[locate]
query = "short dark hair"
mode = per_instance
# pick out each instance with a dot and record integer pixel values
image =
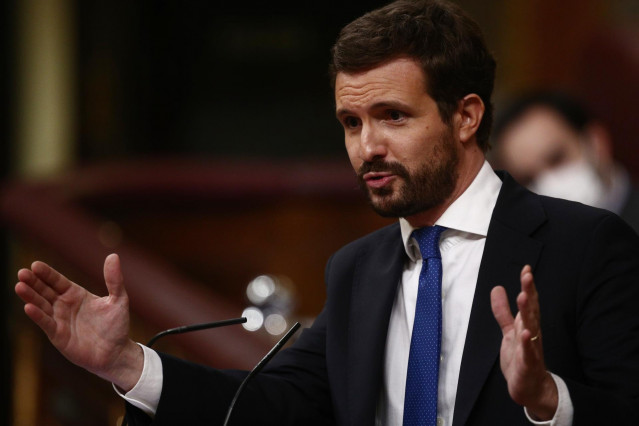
(569, 107)
(440, 36)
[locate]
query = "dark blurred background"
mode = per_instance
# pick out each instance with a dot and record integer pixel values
(198, 140)
(205, 79)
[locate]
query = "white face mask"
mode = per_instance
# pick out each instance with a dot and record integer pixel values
(575, 181)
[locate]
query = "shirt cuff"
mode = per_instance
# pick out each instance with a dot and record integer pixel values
(146, 393)
(565, 409)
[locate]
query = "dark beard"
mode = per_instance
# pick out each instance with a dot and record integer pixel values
(428, 187)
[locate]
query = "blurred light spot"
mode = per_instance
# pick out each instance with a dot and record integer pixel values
(275, 324)
(260, 289)
(110, 234)
(254, 318)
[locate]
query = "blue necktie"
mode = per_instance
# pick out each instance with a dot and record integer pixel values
(420, 402)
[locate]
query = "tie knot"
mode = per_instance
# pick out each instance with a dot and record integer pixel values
(428, 240)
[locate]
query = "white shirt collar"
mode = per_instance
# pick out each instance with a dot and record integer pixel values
(470, 212)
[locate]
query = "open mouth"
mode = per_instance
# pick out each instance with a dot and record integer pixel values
(378, 179)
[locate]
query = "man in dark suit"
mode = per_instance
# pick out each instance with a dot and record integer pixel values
(412, 82)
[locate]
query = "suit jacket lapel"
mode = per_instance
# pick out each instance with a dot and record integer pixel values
(508, 248)
(376, 277)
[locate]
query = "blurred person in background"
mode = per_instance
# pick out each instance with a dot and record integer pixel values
(551, 143)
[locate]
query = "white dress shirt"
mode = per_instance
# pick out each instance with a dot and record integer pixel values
(461, 246)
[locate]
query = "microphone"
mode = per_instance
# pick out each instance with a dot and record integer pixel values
(196, 327)
(258, 367)
(188, 328)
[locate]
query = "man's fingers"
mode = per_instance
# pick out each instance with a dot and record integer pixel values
(530, 352)
(51, 277)
(44, 321)
(528, 302)
(528, 282)
(527, 269)
(500, 307)
(27, 277)
(113, 276)
(29, 295)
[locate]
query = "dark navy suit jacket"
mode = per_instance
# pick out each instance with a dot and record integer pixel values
(586, 267)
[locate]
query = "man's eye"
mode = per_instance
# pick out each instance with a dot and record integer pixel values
(395, 115)
(351, 122)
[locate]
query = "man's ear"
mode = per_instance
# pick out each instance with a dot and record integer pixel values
(470, 112)
(600, 142)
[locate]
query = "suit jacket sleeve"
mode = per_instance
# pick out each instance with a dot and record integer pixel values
(607, 328)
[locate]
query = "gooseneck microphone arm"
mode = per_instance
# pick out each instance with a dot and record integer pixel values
(195, 327)
(259, 367)
(186, 329)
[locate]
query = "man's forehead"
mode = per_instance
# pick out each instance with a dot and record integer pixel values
(402, 75)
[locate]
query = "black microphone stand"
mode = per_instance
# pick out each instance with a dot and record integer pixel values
(259, 367)
(186, 329)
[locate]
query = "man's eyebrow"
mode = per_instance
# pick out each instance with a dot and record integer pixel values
(379, 105)
(390, 104)
(342, 112)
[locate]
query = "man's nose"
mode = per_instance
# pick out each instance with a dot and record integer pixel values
(372, 145)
